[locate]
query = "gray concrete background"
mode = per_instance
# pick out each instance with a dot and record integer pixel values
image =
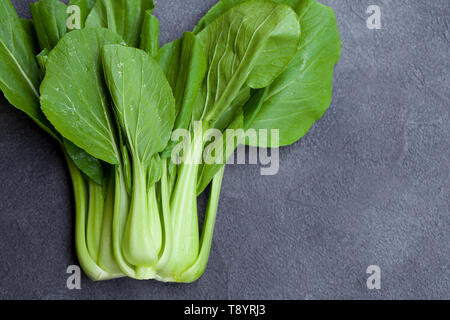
(369, 184)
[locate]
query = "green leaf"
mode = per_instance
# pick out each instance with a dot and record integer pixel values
(124, 17)
(216, 11)
(42, 58)
(19, 72)
(49, 18)
(224, 148)
(232, 119)
(74, 96)
(234, 110)
(240, 51)
(85, 8)
(89, 165)
(223, 6)
(184, 64)
(150, 34)
(302, 93)
(142, 97)
(145, 109)
(28, 26)
(154, 170)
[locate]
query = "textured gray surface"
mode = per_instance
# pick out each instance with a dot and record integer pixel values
(369, 184)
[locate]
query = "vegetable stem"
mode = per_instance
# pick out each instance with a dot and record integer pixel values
(106, 253)
(94, 218)
(121, 208)
(89, 266)
(184, 210)
(140, 244)
(196, 270)
(166, 224)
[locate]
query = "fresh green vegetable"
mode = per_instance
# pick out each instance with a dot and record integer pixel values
(115, 101)
(19, 72)
(302, 93)
(145, 109)
(238, 56)
(82, 104)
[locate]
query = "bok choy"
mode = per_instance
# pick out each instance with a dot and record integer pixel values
(115, 101)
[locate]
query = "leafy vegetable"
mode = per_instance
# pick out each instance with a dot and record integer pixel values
(144, 106)
(91, 166)
(184, 64)
(243, 53)
(302, 93)
(79, 109)
(255, 61)
(19, 72)
(50, 19)
(238, 52)
(116, 103)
